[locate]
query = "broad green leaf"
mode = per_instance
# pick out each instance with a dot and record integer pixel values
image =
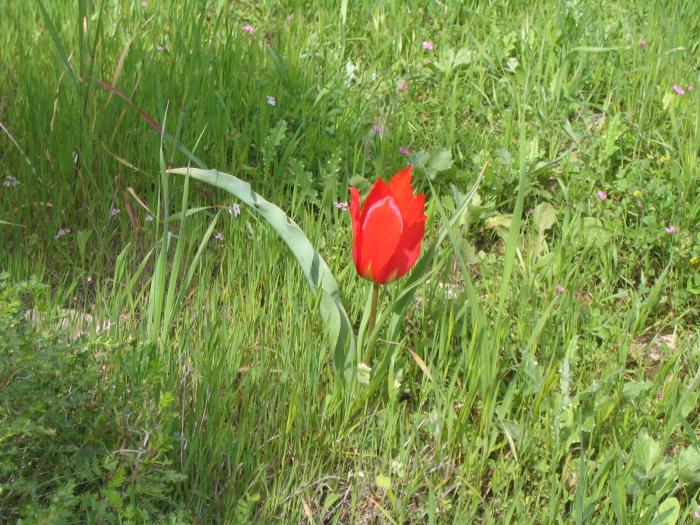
(633, 390)
(668, 512)
(646, 451)
(689, 465)
(440, 161)
(545, 216)
(319, 276)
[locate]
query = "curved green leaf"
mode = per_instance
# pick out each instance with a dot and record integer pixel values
(319, 276)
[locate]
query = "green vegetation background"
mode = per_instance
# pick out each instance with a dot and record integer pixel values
(546, 373)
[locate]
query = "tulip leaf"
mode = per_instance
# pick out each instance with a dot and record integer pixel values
(319, 276)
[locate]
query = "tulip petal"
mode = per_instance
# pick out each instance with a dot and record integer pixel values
(356, 226)
(382, 229)
(378, 191)
(400, 186)
(408, 250)
(409, 246)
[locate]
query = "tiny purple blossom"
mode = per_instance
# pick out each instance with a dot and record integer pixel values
(643, 42)
(235, 210)
(679, 90)
(62, 232)
(427, 45)
(377, 129)
(248, 28)
(341, 205)
(271, 101)
(404, 150)
(671, 229)
(602, 195)
(559, 289)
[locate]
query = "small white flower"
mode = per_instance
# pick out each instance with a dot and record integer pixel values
(219, 236)
(62, 232)
(341, 205)
(114, 211)
(10, 182)
(272, 101)
(150, 218)
(235, 210)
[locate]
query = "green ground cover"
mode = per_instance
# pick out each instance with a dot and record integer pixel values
(161, 366)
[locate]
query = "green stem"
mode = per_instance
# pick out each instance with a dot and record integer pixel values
(372, 322)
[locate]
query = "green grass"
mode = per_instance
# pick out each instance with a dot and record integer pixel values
(494, 398)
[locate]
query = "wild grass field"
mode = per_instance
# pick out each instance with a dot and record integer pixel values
(163, 358)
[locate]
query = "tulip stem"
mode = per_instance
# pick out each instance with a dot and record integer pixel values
(372, 320)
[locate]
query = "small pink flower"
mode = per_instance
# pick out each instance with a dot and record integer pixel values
(679, 90)
(559, 289)
(671, 229)
(428, 45)
(404, 151)
(602, 195)
(341, 205)
(290, 18)
(402, 85)
(643, 42)
(248, 28)
(376, 128)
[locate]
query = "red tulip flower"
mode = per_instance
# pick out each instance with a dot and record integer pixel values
(387, 228)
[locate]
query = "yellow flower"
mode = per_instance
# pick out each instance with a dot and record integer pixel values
(637, 194)
(695, 260)
(664, 158)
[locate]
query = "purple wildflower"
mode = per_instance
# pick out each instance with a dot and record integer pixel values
(427, 45)
(602, 195)
(671, 229)
(404, 150)
(679, 90)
